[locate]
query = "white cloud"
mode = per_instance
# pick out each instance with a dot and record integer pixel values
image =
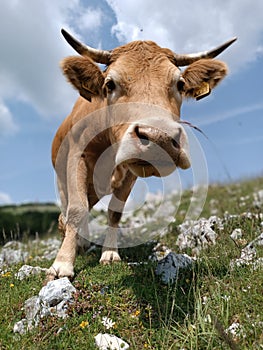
(89, 19)
(31, 48)
(7, 124)
(190, 26)
(32, 45)
(244, 141)
(5, 198)
(232, 113)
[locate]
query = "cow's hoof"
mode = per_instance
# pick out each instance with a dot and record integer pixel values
(59, 270)
(109, 256)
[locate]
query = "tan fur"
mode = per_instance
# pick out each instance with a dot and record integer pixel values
(84, 75)
(144, 73)
(211, 71)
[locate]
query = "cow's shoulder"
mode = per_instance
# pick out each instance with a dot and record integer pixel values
(82, 109)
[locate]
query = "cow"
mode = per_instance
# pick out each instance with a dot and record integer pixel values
(127, 120)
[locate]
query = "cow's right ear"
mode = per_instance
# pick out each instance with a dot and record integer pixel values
(84, 75)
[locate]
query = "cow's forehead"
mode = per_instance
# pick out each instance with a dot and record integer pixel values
(143, 57)
(143, 50)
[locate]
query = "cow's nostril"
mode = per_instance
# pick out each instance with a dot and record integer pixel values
(142, 136)
(175, 143)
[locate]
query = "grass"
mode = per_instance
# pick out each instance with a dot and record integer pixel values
(192, 314)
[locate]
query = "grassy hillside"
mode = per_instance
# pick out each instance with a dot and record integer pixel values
(194, 313)
(23, 221)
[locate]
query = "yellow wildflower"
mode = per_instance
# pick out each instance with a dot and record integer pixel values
(12, 285)
(136, 313)
(6, 274)
(84, 324)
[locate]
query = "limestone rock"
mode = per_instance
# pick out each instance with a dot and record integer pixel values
(248, 254)
(53, 299)
(110, 342)
(169, 267)
(27, 270)
(13, 253)
(56, 291)
(236, 234)
(198, 234)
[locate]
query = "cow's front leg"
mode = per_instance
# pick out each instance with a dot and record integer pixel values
(63, 266)
(73, 223)
(116, 205)
(73, 227)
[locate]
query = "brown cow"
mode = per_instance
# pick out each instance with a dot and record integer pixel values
(124, 125)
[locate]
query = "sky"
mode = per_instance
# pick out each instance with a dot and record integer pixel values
(35, 98)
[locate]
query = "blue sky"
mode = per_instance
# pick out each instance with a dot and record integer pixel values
(34, 96)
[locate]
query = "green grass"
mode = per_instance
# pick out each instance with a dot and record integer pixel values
(192, 314)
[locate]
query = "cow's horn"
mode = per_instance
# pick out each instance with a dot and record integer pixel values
(184, 60)
(99, 56)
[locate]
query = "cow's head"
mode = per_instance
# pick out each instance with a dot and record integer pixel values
(145, 82)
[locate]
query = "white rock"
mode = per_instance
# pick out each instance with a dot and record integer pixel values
(258, 198)
(13, 253)
(236, 330)
(56, 291)
(21, 326)
(32, 308)
(110, 342)
(14, 245)
(53, 299)
(248, 254)
(48, 248)
(258, 241)
(169, 267)
(27, 270)
(236, 234)
(198, 234)
(61, 309)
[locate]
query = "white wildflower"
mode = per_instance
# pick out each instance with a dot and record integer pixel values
(204, 300)
(107, 322)
(226, 297)
(236, 330)
(208, 319)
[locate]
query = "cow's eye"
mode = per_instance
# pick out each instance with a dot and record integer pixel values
(110, 85)
(180, 84)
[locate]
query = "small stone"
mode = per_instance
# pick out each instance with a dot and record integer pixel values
(21, 326)
(27, 270)
(248, 254)
(236, 234)
(236, 330)
(110, 342)
(258, 199)
(169, 267)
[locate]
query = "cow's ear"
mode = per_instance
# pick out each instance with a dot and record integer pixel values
(202, 76)
(84, 75)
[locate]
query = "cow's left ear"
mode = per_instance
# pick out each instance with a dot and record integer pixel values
(202, 76)
(84, 75)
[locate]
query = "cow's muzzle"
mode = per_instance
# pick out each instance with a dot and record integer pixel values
(151, 149)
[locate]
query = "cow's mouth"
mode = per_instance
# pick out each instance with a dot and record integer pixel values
(145, 168)
(158, 167)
